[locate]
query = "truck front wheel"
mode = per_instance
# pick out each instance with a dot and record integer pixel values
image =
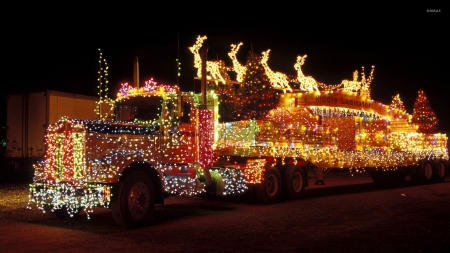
(134, 201)
(269, 191)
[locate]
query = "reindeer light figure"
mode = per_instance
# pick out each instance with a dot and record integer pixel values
(277, 79)
(365, 83)
(214, 69)
(362, 86)
(237, 67)
(306, 82)
(353, 85)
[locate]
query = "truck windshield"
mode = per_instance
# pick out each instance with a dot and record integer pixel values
(139, 108)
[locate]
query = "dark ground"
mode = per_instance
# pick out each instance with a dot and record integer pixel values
(348, 214)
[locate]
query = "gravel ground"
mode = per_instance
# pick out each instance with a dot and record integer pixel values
(14, 194)
(348, 214)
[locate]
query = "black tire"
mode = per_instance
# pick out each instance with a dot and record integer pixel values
(269, 190)
(134, 201)
(293, 182)
(62, 213)
(439, 172)
(425, 172)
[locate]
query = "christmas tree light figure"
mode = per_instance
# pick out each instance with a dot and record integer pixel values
(252, 99)
(257, 97)
(423, 114)
(397, 107)
(104, 104)
(228, 102)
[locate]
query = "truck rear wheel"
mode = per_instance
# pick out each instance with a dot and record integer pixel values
(425, 172)
(134, 203)
(439, 172)
(293, 183)
(269, 190)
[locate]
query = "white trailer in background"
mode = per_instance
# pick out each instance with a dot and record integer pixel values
(28, 116)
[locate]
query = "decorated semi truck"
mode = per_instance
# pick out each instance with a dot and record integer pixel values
(261, 133)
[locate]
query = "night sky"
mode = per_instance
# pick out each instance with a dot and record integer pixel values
(409, 50)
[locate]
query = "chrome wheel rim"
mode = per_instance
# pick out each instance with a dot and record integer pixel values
(139, 200)
(297, 181)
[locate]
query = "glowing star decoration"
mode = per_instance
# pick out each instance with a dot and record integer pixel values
(278, 80)
(215, 70)
(306, 82)
(237, 67)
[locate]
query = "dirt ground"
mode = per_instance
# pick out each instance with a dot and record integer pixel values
(348, 214)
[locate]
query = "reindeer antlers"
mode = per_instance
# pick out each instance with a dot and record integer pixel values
(234, 49)
(198, 44)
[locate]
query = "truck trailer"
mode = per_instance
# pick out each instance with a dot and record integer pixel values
(29, 115)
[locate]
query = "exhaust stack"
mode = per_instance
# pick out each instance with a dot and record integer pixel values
(136, 72)
(203, 53)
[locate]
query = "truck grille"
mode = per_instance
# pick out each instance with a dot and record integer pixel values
(65, 157)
